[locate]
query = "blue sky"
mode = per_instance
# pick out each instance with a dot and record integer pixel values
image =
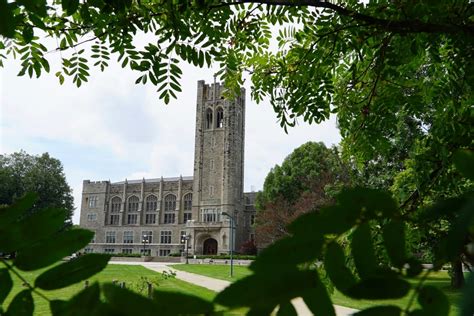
(111, 128)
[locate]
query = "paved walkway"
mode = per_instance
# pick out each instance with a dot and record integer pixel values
(218, 285)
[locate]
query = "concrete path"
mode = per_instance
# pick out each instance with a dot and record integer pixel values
(218, 285)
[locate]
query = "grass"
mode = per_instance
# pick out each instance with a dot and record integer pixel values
(439, 279)
(131, 275)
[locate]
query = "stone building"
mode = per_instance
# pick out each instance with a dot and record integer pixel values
(159, 216)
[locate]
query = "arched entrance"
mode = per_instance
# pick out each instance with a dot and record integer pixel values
(209, 247)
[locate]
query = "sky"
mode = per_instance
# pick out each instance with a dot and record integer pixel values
(112, 129)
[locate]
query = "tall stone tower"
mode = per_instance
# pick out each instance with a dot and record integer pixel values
(218, 169)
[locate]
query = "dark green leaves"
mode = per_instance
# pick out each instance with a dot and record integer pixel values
(433, 301)
(6, 284)
(126, 302)
(7, 22)
(380, 310)
(394, 240)
(286, 309)
(72, 272)
(467, 303)
(379, 288)
(22, 304)
(335, 264)
(363, 251)
(266, 291)
(70, 6)
(171, 303)
(53, 249)
(464, 162)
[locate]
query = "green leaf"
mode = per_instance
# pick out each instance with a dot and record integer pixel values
(15, 211)
(373, 202)
(7, 20)
(27, 33)
(388, 310)
(70, 6)
(53, 249)
(126, 302)
(414, 267)
(304, 248)
(6, 284)
(86, 302)
(180, 303)
(318, 301)
(32, 229)
(379, 288)
(335, 265)
(72, 272)
(464, 162)
(467, 303)
(394, 241)
(363, 251)
(433, 301)
(286, 309)
(21, 305)
(263, 291)
(460, 229)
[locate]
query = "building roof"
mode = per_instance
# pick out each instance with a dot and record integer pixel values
(154, 180)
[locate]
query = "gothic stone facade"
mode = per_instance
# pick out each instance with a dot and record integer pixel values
(159, 216)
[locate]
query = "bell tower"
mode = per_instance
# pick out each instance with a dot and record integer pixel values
(218, 166)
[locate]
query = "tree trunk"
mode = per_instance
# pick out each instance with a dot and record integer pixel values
(457, 277)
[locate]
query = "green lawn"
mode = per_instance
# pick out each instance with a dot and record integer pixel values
(439, 279)
(129, 274)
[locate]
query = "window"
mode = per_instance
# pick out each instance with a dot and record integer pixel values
(188, 202)
(127, 250)
(88, 250)
(109, 250)
(148, 236)
(145, 252)
(208, 118)
(211, 190)
(252, 237)
(187, 217)
(133, 202)
(252, 219)
(169, 218)
(93, 201)
(110, 237)
(115, 204)
(220, 118)
(132, 219)
(91, 217)
(151, 203)
(183, 236)
(165, 237)
(164, 252)
(114, 219)
(128, 237)
(150, 218)
(210, 215)
(211, 164)
(170, 203)
(93, 239)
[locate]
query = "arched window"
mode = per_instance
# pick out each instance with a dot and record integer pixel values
(170, 203)
(188, 202)
(220, 118)
(208, 118)
(115, 204)
(151, 203)
(133, 204)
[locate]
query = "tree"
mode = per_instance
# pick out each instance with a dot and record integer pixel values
(21, 173)
(306, 180)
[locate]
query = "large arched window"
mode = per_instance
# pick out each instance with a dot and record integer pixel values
(115, 204)
(220, 118)
(170, 203)
(151, 203)
(188, 202)
(133, 204)
(209, 118)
